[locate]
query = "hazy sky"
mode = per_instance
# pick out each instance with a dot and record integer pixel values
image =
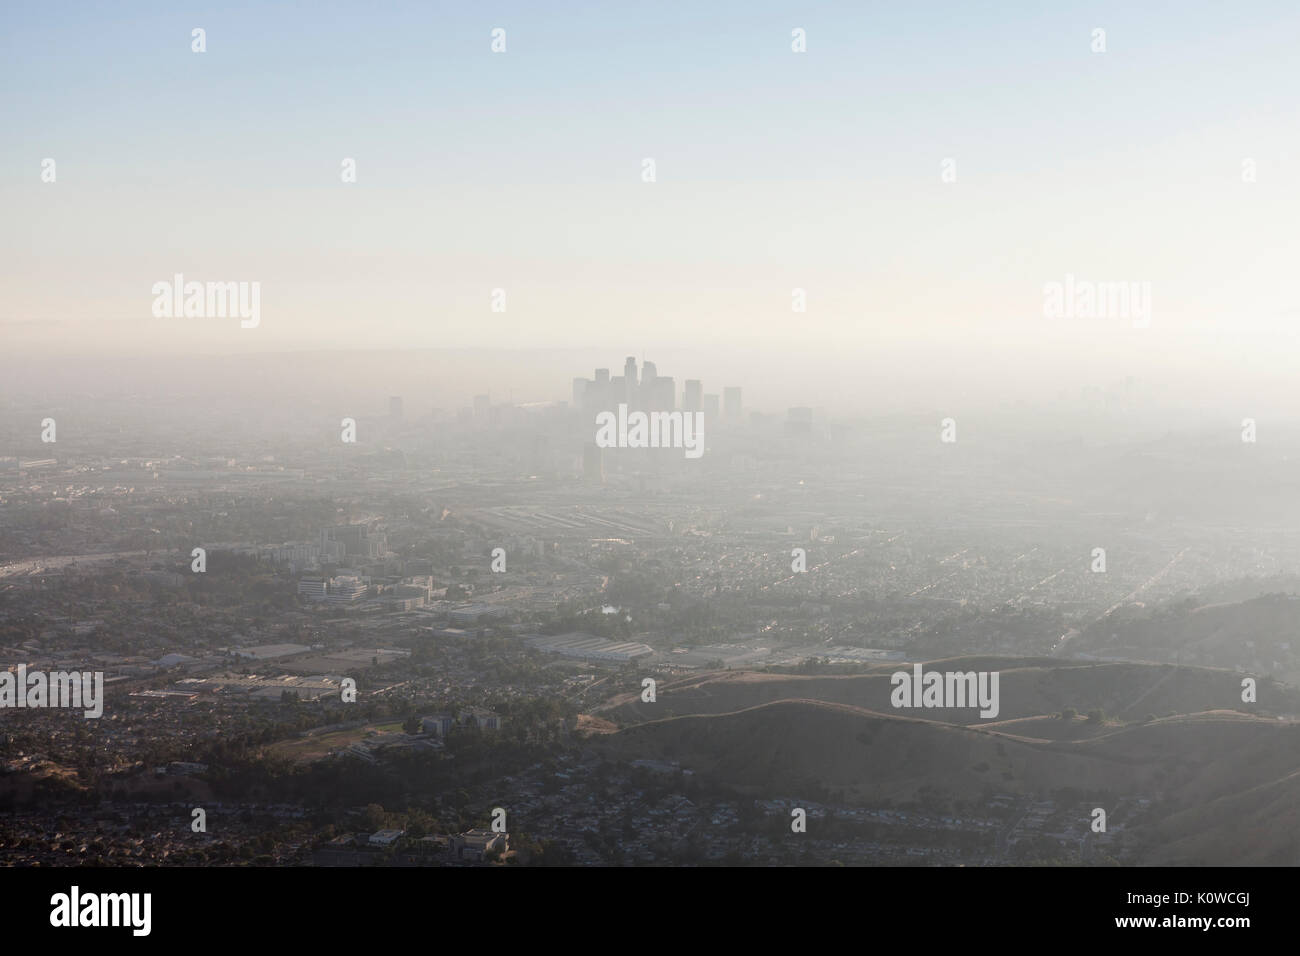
(775, 170)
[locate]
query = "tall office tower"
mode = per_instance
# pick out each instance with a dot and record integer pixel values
(663, 398)
(481, 406)
(693, 397)
(579, 391)
(598, 393)
(618, 388)
(593, 462)
(710, 406)
(731, 403)
(395, 407)
(629, 376)
(648, 376)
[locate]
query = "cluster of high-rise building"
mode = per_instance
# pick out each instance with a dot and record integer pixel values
(648, 391)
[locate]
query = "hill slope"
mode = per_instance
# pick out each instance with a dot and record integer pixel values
(1027, 688)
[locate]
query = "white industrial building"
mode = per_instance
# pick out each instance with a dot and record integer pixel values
(590, 648)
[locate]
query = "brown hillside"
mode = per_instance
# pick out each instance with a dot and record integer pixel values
(1127, 691)
(797, 745)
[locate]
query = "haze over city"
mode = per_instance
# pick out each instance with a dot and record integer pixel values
(587, 435)
(820, 172)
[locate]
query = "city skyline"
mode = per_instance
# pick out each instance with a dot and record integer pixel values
(711, 435)
(891, 259)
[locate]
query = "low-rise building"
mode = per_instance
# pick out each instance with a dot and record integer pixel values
(477, 843)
